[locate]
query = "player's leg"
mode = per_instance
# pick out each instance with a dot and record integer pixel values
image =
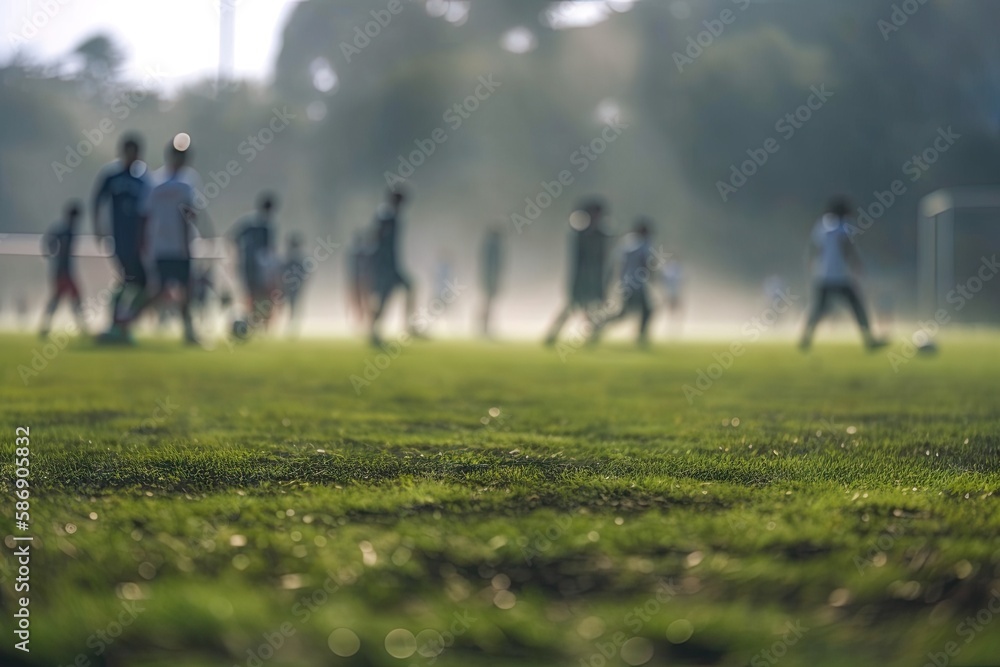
(150, 295)
(132, 285)
(182, 277)
(77, 304)
(599, 317)
(50, 308)
(380, 298)
(411, 305)
(135, 282)
(645, 315)
(850, 293)
(560, 322)
(123, 285)
(293, 312)
(820, 298)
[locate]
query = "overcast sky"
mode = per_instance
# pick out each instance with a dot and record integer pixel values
(179, 38)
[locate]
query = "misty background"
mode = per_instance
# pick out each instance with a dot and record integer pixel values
(565, 71)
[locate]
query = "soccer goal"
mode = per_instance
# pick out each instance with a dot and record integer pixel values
(936, 240)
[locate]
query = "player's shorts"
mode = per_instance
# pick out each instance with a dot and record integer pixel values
(66, 286)
(131, 267)
(175, 271)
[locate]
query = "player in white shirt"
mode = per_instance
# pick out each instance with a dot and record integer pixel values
(633, 287)
(168, 219)
(835, 263)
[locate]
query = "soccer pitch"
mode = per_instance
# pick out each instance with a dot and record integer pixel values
(496, 505)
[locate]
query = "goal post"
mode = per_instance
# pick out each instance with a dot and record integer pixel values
(88, 245)
(936, 240)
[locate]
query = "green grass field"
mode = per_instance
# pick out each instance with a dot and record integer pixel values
(250, 507)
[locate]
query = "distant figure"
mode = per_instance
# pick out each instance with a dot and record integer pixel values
(253, 236)
(444, 278)
(125, 184)
(386, 274)
(358, 279)
(58, 245)
(588, 266)
(293, 277)
(775, 291)
(490, 267)
(637, 258)
(672, 281)
(835, 263)
(170, 215)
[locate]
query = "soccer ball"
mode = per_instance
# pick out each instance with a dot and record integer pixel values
(241, 330)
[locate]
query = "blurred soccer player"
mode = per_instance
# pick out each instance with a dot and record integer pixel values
(491, 265)
(386, 273)
(169, 215)
(835, 265)
(444, 279)
(775, 291)
(636, 271)
(126, 184)
(293, 278)
(58, 245)
(588, 266)
(253, 236)
(672, 281)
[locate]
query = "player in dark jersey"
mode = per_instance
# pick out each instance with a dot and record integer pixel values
(588, 269)
(253, 236)
(125, 185)
(58, 245)
(293, 278)
(490, 270)
(386, 274)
